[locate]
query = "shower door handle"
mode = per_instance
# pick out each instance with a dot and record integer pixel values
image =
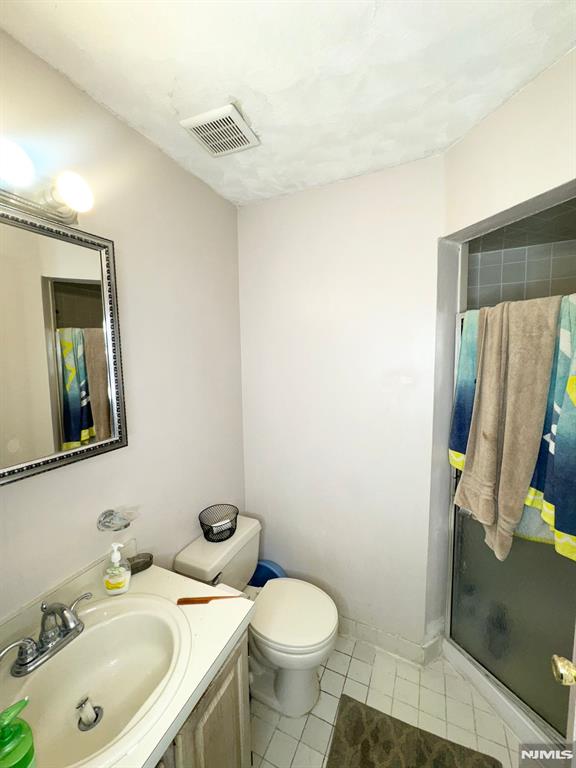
(564, 670)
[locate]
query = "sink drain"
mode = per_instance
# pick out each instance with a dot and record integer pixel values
(90, 715)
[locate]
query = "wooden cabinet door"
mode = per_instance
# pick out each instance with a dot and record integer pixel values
(216, 735)
(168, 759)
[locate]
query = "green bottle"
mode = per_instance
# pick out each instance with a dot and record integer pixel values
(16, 743)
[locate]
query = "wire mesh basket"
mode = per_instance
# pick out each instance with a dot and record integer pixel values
(219, 521)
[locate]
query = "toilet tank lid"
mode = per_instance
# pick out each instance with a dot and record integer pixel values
(203, 560)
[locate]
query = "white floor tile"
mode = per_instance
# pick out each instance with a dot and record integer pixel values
(360, 671)
(512, 739)
(490, 727)
(256, 760)
(460, 714)
(261, 735)
(449, 669)
(355, 690)
(406, 692)
(385, 664)
(436, 666)
(345, 644)
(433, 697)
(479, 702)
(432, 724)
(306, 757)
(317, 734)
(281, 750)
(379, 701)
(332, 682)
(404, 712)
(408, 671)
(458, 689)
(326, 707)
(264, 712)
(460, 736)
(432, 680)
(338, 662)
(495, 750)
(382, 680)
(293, 726)
(364, 652)
(432, 703)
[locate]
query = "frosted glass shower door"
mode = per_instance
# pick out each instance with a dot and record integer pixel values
(512, 616)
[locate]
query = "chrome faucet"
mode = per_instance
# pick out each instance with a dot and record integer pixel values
(60, 624)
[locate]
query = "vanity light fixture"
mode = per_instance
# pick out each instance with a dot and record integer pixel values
(60, 200)
(72, 190)
(16, 168)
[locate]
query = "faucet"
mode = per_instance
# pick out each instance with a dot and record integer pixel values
(60, 624)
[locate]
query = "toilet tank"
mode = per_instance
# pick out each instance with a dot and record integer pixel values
(229, 562)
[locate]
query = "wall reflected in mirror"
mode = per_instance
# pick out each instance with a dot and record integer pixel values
(55, 377)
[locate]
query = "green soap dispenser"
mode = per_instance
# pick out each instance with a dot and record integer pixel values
(16, 743)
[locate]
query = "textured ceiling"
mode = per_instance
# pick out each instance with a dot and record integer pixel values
(333, 89)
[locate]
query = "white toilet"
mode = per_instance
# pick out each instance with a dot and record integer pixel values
(294, 627)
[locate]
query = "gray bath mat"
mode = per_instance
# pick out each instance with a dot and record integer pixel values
(367, 738)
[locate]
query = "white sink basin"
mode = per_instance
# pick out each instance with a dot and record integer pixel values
(130, 660)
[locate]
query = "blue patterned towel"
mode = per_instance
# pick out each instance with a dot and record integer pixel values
(559, 491)
(78, 424)
(465, 390)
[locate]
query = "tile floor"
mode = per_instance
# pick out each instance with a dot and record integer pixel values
(435, 698)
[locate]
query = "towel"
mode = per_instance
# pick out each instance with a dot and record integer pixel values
(77, 421)
(515, 351)
(531, 525)
(559, 490)
(465, 390)
(97, 367)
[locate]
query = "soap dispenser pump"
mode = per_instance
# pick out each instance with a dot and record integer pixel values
(16, 743)
(117, 573)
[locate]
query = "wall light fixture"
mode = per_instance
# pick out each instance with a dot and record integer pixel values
(60, 200)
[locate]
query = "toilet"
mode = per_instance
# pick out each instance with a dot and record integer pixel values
(294, 627)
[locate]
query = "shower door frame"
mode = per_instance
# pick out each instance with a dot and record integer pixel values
(530, 207)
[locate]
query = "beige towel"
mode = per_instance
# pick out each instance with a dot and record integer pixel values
(97, 368)
(515, 350)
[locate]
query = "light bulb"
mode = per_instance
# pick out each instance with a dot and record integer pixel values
(72, 190)
(16, 168)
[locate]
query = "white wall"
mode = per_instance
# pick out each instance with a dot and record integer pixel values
(521, 150)
(178, 296)
(345, 304)
(338, 303)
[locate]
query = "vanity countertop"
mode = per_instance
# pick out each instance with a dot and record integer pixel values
(215, 627)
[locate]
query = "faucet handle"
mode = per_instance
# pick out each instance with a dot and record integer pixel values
(85, 596)
(27, 649)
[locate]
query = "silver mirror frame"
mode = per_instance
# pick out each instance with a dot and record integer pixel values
(44, 226)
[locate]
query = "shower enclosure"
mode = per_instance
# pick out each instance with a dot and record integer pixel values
(509, 618)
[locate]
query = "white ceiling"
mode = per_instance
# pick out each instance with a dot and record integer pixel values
(333, 89)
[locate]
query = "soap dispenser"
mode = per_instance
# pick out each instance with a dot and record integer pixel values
(16, 743)
(117, 573)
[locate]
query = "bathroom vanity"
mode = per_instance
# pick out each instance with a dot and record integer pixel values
(217, 730)
(171, 681)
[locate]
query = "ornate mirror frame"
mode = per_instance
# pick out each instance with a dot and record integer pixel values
(44, 226)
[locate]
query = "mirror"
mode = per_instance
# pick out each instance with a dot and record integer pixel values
(61, 395)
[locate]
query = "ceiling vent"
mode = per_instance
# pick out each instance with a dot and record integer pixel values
(221, 131)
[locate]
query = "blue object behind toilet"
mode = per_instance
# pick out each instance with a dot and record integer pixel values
(266, 570)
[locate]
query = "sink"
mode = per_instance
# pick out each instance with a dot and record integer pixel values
(129, 660)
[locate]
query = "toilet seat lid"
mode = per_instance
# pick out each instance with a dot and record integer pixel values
(294, 614)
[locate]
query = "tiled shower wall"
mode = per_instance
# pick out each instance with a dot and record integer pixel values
(528, 272)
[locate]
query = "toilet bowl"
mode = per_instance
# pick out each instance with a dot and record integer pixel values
(294, 627)
(292, 633)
